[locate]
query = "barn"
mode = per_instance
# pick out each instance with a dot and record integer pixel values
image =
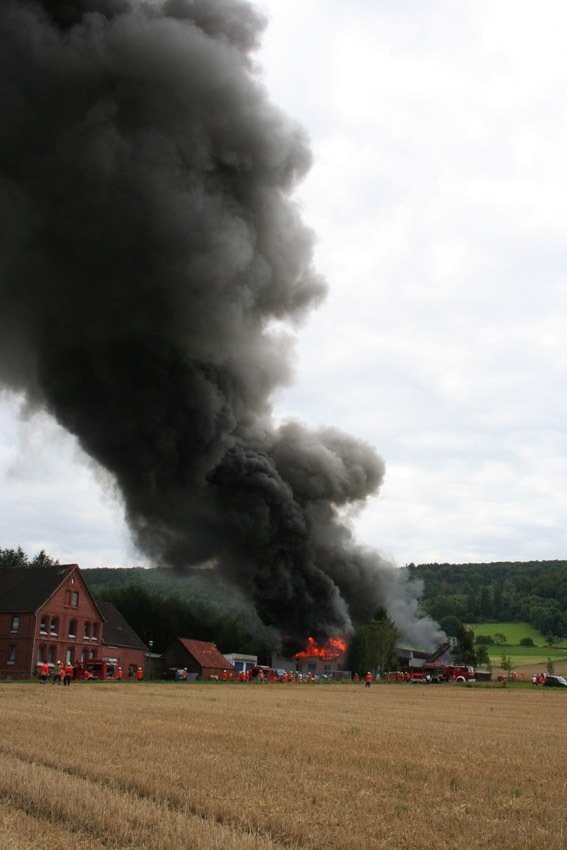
(202, 660)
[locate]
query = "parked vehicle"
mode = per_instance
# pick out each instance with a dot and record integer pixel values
(437, 668)
(264, 674)
(175, 674)
(97, 668)
(555, 682)
(449, 672)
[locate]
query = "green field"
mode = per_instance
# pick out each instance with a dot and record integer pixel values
(520, 655)
(514, 632)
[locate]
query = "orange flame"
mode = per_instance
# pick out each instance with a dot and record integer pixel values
(333, 648)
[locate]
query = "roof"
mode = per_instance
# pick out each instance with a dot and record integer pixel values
(205, 654)
(116, 631)
(26, 589)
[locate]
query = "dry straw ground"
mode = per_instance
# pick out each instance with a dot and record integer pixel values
(266, 767)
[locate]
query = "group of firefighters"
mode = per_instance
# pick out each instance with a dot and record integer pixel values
(63, 673)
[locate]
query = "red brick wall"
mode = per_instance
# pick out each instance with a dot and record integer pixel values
(22, 639)
(128, 659)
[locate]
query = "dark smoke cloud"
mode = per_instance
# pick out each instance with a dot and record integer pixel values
(150, 250)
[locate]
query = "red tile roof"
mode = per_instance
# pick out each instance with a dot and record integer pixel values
(205, 654)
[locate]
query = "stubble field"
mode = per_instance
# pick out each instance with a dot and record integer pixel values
(251, 767)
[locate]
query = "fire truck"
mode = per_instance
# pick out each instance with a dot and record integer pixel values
(448, 672)
(96, 668)
(437, 668)
(434, 669)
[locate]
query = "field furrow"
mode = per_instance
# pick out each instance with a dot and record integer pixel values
(85, 813)
(323, 767)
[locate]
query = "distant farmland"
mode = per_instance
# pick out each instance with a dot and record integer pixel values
(522, 656)
(251, 767)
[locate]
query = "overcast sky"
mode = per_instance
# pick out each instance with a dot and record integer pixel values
(438, 195)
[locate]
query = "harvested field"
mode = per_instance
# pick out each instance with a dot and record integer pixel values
(176, 767)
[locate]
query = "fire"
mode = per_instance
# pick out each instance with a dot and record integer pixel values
(332, 648)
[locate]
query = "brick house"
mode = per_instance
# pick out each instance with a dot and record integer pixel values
(201, 659)
(48, 614)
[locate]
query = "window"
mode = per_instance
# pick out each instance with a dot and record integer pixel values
(15, 624)
(12, 654)
(51, 654)
(73, 629)
(54, 627)
(95, 631)
(93, 653)
(43, 625)
(41, 653)
(84, 655)
(69, 657)
(87, 631)
(75, 599)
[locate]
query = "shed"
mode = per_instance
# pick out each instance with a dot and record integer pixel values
(201, 659)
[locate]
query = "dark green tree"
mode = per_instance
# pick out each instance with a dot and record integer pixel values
(450, 624)
(465, 645)
(18, 558)
(13, 558)
(373, 646)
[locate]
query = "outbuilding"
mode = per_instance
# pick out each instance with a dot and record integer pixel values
(201, 659)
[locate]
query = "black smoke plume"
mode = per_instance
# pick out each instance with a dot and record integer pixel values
(151, 253)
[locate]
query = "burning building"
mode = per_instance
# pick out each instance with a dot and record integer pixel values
(325, 660)
(153, 267)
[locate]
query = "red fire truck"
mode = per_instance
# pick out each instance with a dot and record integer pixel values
(449, 672)
(437, 668)
(96, 668)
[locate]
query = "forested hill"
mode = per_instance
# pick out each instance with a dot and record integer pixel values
(161, 604)
(531, 591)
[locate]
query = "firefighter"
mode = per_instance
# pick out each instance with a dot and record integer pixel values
(43, 673)
(57, 673)
(119, 674)
(139, 674)
(67, 673)
(368, 679)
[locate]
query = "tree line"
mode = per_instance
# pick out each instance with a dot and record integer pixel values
(534, 592)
